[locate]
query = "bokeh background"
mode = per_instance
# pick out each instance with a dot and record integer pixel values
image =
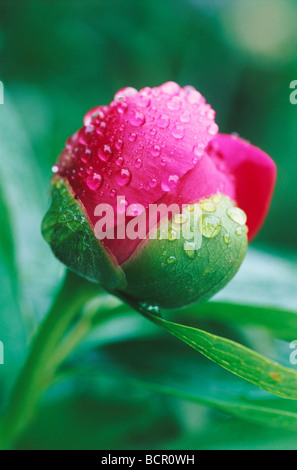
(57, 60)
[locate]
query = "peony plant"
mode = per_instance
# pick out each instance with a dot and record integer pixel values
(149, 200)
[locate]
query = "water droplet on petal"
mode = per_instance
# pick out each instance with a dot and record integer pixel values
(153, 183)
(185, 117)
(170, 88)
(132, 137)
(174, 104)
(155, 151)
(193, 96)
(178, 131)
(105, 153)
(119, 144)
(86, 134)
(138, 163)
(143, 101)
(94, 181)
(137, 119)
(123, 177)
(169, 183)
(163, 121)
(119, 161)
(124, 93)
(198, 149)
(213, 129)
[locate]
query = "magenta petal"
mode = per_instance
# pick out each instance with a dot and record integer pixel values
(139, 147)
(204, 180)
(253, 173)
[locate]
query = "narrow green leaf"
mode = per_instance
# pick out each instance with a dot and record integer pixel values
(282, 323)
(238, 359)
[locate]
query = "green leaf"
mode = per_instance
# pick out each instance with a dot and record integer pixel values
(73, 242)
(25, 199)
(161, 366)
(282, 323)
(267, 277)
(238, 359)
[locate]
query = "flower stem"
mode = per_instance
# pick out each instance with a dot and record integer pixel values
(39, 368)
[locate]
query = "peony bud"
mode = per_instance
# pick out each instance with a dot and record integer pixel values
(148, 200)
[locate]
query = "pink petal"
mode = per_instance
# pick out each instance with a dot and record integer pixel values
(253, 173)
(140, 147)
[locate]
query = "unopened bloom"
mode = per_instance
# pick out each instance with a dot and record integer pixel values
(152, 149)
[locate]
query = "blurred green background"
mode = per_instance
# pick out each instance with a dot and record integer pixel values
(60, 58)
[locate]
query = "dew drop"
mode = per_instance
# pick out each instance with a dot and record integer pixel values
(119, 161)
(86, 134)
(209, 225)
(132, 137)
(227, 239)
(55, 168)
(190, 249)
(172, 235)
(237, 215)
(156, 151)
(125, 93)
(169, 183)
(208, 206)
(185, 117)
(119, 144)
(153, 183)
(138, 163)
(174, 104)
(86, 155)
(171, 260)
(193, 96)
(163, 121)
(239, 231)
(213, 129)
(94, 181)
(170, 88)
(123, 177)
(137, 119)
(180, 218)
(217, 198)
(105, 153)
(178, 131)
(198, 150)
(143, 101)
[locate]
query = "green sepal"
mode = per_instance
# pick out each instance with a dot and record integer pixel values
(66, 228)
(163, 272)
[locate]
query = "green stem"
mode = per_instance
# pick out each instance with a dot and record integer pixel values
(38, 370)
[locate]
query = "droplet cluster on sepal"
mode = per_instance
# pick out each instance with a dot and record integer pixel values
(172, 271)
